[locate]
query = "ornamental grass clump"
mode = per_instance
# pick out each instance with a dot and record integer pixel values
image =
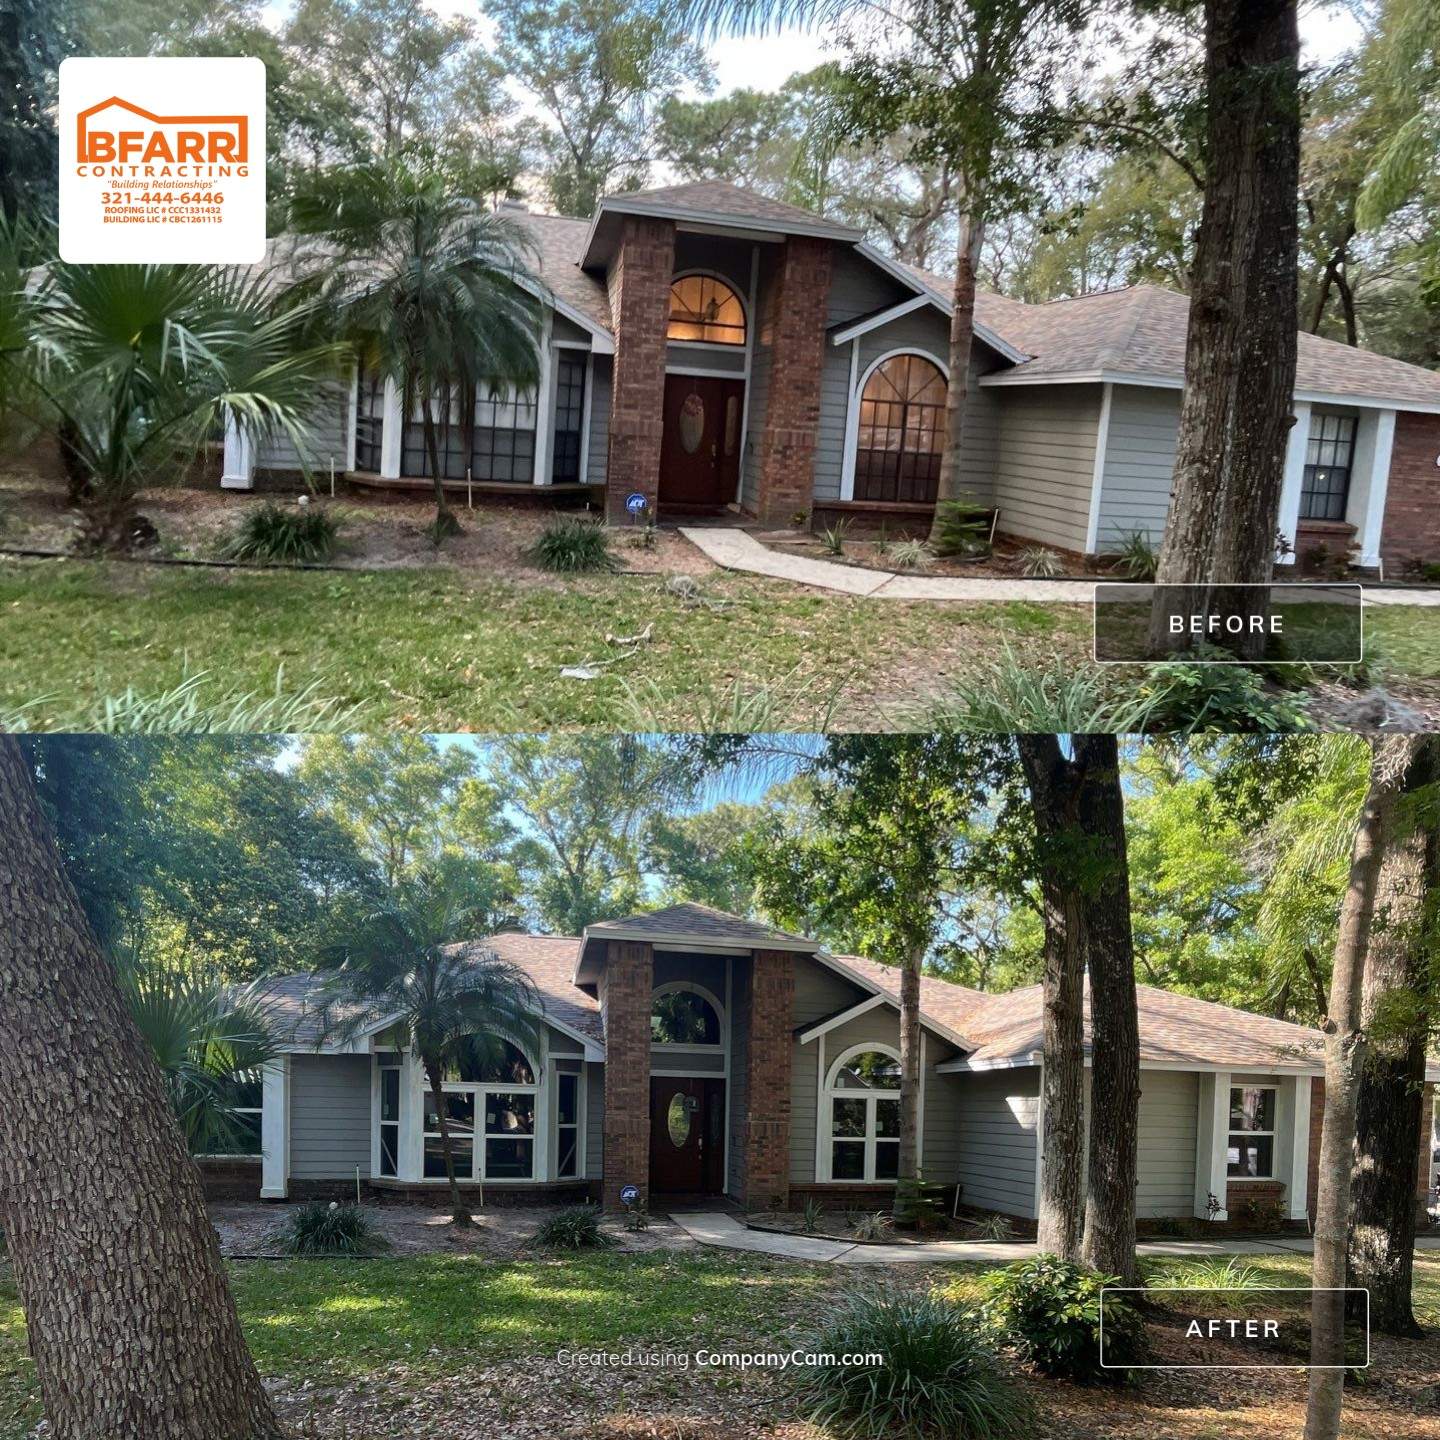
(570, 545)
(1049, 1309)
(575, 1228)
(275, 534)
(937, 1373)
(333, 1229)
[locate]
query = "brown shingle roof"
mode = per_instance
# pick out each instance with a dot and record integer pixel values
(719, 197)
(558, 244)
(689, 920)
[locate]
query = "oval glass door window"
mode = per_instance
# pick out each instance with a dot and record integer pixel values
(677, 1120)
(692, 423)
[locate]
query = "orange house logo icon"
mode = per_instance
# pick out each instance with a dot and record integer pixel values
(116, 131)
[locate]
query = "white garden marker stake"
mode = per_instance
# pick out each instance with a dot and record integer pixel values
(332, 477)
(469, 490)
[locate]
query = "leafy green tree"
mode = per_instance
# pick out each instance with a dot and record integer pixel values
(400, 965)
(601, 72)
(35, 36)
(432, 291)
(712, 856)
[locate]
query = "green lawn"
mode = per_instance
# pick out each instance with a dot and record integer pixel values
(434, 1319)
(446, 651)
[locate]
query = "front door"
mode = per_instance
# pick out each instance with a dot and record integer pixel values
(687, 1135)
(700, 449)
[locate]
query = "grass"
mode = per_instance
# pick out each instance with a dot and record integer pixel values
(441, 651)
(346, 1320)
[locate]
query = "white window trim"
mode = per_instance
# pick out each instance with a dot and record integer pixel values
(673, 1047)
(730, 347)
(578, 1075)
(833, 1092)
(858, 383)
(1273, 1134)
(377, 1072)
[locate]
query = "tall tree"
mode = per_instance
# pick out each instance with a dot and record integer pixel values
(1397, 1010)
(1344, 1063)
(130, 1319)
(1240, 344)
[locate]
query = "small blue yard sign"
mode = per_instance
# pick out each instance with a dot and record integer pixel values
(629, 1194)
(635, 503)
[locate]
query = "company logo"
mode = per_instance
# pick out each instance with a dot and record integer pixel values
(118, 131)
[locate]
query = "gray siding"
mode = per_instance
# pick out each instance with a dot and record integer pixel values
(329, 1116)
(859, 287)
(1169, 1108)
(563, 329)
(996, 1140)
(1139, 464)
(597, 462)
(328, 435)
(594, 1120)
(730, 359)
(1045, 462)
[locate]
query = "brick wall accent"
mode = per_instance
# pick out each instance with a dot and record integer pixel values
(1411, 530)
(625, 990)
(767, 1135)
(639, 285)
(794, 316)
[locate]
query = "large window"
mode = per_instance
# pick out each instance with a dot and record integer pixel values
(369, 421)
(705, 309)
(490, 1110)
(863, 1093)
(240, 1133)
(499, 445)
(1250, 1147)
(1329, 453)
(567, 1125)
(569, 416)
(902, 431)
(683, 1015)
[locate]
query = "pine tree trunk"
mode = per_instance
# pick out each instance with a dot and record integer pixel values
(1396, 1009)
(962, 341)
(131, 1323)
(1344, 1059)
(1235, 415)
(1062, 1140)
(907, 1185)
(459, 1211)
(1109, 1243)
(446, 524)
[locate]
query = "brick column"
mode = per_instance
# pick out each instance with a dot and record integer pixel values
(794, 319)
(767, 1135)
(1411, 528)
(625, 990)
(639, 285)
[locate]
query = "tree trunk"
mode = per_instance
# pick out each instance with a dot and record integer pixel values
(1344, 1058)
(1062, 1140)
(459, 1211)
(131, 1323)
(446, 524)
(1235, 415)
(1396, 1009)
(1109, 1243)
(907, 1189)
(962, 340)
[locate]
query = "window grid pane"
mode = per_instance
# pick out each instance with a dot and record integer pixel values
(569, 417)
(901, 432)
(703, 308)
(1329, 455)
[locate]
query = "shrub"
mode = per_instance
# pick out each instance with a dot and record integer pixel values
(577, 1228)
(1137, 558)
(1049, 1309)
(811, 1212)
(570, 545)
(1212, 1274)
(961, 529)
(1227, 698)
(911, 555)
(939, 1376)
(1040, 562)
(285, 535)
(994, 1227)
(637, 1215)
(832, 540)
(333, 1229)
(878, 1226)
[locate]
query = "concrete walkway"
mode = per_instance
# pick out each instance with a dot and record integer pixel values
(734, 549)
(725, 1232)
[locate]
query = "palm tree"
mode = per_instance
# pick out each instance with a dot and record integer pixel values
(432, 289)
(135, 367)
(209, 1039)
(398, 968)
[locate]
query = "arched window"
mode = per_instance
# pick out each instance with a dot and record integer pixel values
(491, 1111)
(685, 1015)
(863, 1101)
(488, 1059)
(901, 434)
(704, 308)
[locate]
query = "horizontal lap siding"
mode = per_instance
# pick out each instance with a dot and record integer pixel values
(594, 1120)
(689, 357)
(1045, 462)
(830, 433)
(1169, 1108)
(597, 461)
(327, 437)
(819, 992)
(329, 1116)
(996, 1140)
(1139, 464)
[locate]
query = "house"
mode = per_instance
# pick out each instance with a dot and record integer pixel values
(706, 347)
(692, 1053)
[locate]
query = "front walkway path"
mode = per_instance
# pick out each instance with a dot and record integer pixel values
(727, 1233)
(734, 549)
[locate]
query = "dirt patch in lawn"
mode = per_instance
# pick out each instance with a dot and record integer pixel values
(499, 1232)
(1006, 562)
(376, 533)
